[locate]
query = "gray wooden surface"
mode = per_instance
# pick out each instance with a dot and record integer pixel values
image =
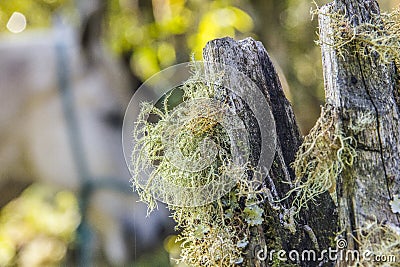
(320, 221)
(357, 85)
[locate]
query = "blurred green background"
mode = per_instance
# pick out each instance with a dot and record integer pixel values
(153, 34)
(149, 35)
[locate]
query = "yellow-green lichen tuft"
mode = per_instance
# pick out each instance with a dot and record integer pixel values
(213, 234)
(324, 154)
(379, 38)
(378, 245)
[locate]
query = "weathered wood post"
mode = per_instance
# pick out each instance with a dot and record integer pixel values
(314, 229)
(339, 183)
(363, 104)
(359, 84)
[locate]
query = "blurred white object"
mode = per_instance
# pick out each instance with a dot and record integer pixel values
(34, 139)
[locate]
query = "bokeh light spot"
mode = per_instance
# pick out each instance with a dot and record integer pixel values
(16, 23)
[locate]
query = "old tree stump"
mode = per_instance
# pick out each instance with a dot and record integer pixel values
(362, 107)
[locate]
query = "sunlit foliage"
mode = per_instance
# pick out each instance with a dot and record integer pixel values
(154, 34)
(168, 31)
(37, 227)
(38, 13)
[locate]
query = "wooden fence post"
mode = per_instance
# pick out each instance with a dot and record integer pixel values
(314, 229)
(362, 95)
(359, 84)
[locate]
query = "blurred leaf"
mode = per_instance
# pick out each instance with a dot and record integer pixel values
(38, 13)
(159, 34)
(144, 61)
(166, 54)
(37, 227)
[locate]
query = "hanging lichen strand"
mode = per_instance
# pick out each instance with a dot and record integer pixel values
(326, 151)
(379, 38)
(383, 253)
(214, 234)
(324, 154)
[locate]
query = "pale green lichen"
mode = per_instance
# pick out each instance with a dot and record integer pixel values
(378, 38)
(378, 245)
(253, 215)
(288, 220)
(214, 234)
(322, 157)
(242, 243)
(362, 122)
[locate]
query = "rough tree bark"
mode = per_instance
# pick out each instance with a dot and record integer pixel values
(355, 85)
(251, 58)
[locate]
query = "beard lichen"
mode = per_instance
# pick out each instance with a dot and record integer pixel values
(378, 245)
(326, 150)
(216, 233)
(322, 157)
(378, 38)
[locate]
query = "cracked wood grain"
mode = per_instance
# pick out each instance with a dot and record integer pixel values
(355, 85)
(251, 58)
